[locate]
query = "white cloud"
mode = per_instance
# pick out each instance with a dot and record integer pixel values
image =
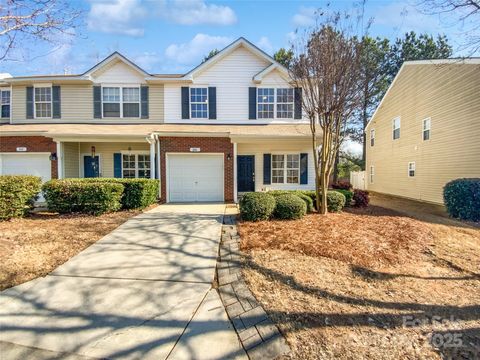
(117, 17)
(404, 17)
(305, 17)
(265, 44)
(195, 12)
(194, 51)
(352, 147)
(147, 60)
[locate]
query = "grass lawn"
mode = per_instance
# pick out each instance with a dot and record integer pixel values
(368, 284)
(34, 246)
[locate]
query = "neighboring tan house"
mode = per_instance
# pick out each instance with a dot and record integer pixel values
(232, 124)
(426, 130)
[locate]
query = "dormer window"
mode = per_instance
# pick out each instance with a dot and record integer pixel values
(199, 103)
(43, 102)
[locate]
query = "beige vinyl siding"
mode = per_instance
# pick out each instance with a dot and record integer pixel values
(76, 102)
(284, 147)
(450, 96)
(71, 159)
(106, 151)
(155, 102)
(18, 103)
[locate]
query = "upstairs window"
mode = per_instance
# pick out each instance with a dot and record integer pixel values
(372, 137)
(111, 101)
(5, 103)
(199, 103)
(286, 169)
(426, 128)
(285, 103)
(265, 103)
(43, 102)
(411, 169)
(131, 102)
(396, 128)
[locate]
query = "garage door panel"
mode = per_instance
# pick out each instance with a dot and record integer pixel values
(195, 177)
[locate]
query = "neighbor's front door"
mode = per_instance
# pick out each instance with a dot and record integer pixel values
(91, 166)
(246, 173)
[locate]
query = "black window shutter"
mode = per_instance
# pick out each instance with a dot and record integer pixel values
(117, 165)
(303, 168)
(212, 102)
(29, 102)
(252, 103)
(267, 169)
(298, 103)
(144, 101)
(56, 102)
(185, 102)
(97, 102)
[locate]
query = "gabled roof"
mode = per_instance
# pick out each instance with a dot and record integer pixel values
(452, 61)
(228, 50)
(276, 66)
(116, 56)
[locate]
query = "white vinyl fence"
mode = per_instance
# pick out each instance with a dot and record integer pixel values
(357, 179)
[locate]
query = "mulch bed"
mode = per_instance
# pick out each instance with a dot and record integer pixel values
(34, 246)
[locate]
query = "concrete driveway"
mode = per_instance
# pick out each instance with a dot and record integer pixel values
(142, 292)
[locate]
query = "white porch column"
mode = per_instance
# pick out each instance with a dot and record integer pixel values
(159, 167)
(60, 160)
(152, 158)
(235, 192)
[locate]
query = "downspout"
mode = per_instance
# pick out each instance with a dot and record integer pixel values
(159, 166)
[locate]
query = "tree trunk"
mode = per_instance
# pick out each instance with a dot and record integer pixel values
(335, 167)
(326, 148)
(317, 173)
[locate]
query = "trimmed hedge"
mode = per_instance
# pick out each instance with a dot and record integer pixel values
(17, 194)
(301, 194)
(348, 196)
(462, 198)
(335, 201)
(289, 206)
(256, 206)
(90, 197)
(137, 193)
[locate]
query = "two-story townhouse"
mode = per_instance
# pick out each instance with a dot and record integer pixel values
(426, 130)
(232, 124)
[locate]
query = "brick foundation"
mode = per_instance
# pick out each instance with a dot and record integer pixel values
(33, 144)
(207, 145)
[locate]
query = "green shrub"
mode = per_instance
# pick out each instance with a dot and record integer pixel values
(17, 194)
(348, 196)
(462, 198)
(90, 197)
(335, 201)
(255, 206)
(300, 193)
(137, 193)
(289, 206)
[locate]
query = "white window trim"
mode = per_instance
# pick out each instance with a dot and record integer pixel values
(121, 100)
(136, 153)
(35, 86)
(285, 168)
(394, 128)
(191, 102)
(414, 169)
(372, 173)
(9, 102)
(429, 128)
(275, 102)
(372, 137)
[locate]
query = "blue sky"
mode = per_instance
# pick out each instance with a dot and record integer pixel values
(168, 36)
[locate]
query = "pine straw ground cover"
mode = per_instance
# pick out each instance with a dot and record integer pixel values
(352, 285)
(36, 245)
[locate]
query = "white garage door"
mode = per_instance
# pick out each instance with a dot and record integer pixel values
(195, 177)
(26, 164)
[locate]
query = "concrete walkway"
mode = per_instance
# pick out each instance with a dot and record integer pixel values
(142, 292)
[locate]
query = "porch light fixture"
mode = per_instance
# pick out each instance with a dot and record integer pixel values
(53, 157)
(92, 149)
(229, 157)
(129, 150)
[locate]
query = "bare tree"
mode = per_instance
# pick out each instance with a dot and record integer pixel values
(23, 20)
(465, 13)
(326, 65)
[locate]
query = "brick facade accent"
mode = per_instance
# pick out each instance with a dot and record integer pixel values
(33, 144)
(206, 145)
